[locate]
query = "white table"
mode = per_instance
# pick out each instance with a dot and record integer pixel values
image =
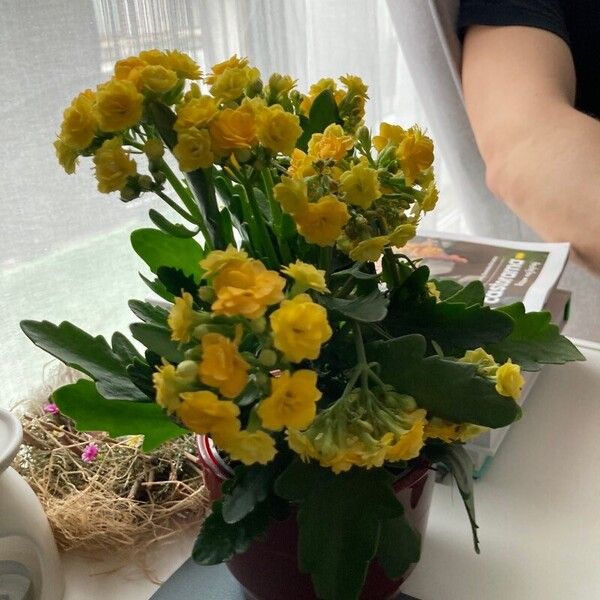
(538, 509)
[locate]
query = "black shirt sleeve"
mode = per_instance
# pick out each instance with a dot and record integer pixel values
(543, 14)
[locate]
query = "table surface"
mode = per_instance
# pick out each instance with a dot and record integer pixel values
(537, 508)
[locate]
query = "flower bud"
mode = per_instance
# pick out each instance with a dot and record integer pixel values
(128, 194)
(193, 354)
(159, 177)
(154, 149)
(258, 325)
(187, 369)
(267, 357)
(364, 136)
(207, 294)
(146, 183)
(262, 380)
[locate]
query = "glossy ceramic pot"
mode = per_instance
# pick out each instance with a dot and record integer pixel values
(268, 570)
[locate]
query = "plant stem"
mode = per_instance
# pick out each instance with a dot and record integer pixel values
(348, 286)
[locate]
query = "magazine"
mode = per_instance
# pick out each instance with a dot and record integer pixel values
(511, 272)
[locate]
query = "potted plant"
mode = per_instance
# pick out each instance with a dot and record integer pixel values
(326, 367)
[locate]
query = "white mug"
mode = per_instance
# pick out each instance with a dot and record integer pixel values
(30, 567)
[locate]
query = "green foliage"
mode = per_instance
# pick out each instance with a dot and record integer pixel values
(157, 339)
(90, 355)
(340, 518)
(175, 229)
(218, 540)
(399, 547)
(159, 249)
(176, 282)
(323, 112)
(158, 288)
(447, 287)
(457, 324)
(445, 388)
(366, 309)
(533, 340)
(92, 412)
(149, 313)
(124, 349)
(458, 462)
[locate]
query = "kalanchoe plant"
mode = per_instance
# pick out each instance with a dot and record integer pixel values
(316, 355)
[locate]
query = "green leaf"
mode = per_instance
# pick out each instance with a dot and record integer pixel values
(149, 313)
(158, 288)
(458, 462)
(140, 373)
(92, 412)
(533, 340)
(164, 119)
(158, 339)
(472, 294)
(367, 309)
(218, 541)
(399, 547)
(249, 486)
(124, 349)
(175, 229)
(445, 388)
(159, 249)
(339, 521)
(176, 282)
(323, 112)
(90, 355)
(447, 287)
(355, 271)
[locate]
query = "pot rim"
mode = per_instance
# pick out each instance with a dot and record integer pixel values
(11, 434)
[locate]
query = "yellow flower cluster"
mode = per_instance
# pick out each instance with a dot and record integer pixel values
(203, 390)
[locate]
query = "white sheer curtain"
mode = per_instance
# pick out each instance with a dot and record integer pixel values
(64, 248)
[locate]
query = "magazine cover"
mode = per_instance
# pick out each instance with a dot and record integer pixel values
(510, 271)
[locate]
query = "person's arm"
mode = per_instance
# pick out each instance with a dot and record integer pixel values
(542, 156)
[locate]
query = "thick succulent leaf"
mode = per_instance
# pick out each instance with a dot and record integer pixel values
(175, 229)
(534, 340)
(177, 282)
(472, 294)
(445, 388)
(338, 538)
(447, 287)
(149, 313)
(159, 249)
(158, 339)
(158, 288)
(399, 547)
(323, 112)
(92, 412)
(367, 309)
(124, 349)
(90, 355)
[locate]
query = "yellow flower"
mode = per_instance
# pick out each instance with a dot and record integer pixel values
(301, 165)
(486, 364)
(301, 445)
(193, 150)
(280, 84)
(250, 447)
(291, 194)
(402, 234)
(113, 166)
(79, 123)
(509, 380)
(198, 112)
(433, 291)
(232, 129)
(300, 328)
(278, 130)
(315, 89)
(154, 57)
(182, 318)
(430, 198)
(409, 445)
(158, 79)
(321, 222)
(168, 384)
(130, 69)
(333, 143)
(415, 153)
(67, 156)
(354, 84)
(222, 366)
(230, 84)
(370, 249)
(306, 276)
(231, 63)
(203, 412)
(218, 259)
(154, 149)
(246, 289)
(118, 105)
(183, 65)
(449, 432)
(360, 185)
(388, 134)
(292, 402)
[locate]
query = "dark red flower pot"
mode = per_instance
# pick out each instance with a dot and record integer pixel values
(268, 570)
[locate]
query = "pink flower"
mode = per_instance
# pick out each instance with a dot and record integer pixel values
(51, 408)
(90, 453)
